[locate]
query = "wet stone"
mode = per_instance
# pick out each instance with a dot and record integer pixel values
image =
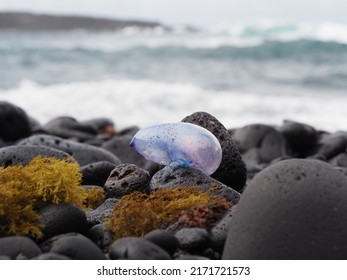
(191, 177)
(220, 231)
(332, 145)
(19, 247)
(14, 122)
(135, 248)
(68, 127)
(232, 170)
(301, 139)
(14, 155)
(100, 235)
(62, 218)
(126, 178)
(51, 256)
(294, 209)
(77, 248)
(340, 160)
(47, 244)
(96, 173)
(83, 153)
(264, 139)
(193, 240)
(163, 239)
(101, 213)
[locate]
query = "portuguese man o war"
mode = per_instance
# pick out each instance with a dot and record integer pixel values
(179, 145)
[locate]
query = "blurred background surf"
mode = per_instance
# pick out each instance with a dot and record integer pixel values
(245, 72)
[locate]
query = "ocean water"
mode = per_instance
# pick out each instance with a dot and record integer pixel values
(242, 73)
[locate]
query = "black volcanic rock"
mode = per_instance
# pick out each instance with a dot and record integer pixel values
(18, 247)
(37, 22)
(96, 173)
(68, 127)
(186, 177)
(294, 209)
(14, 155)
(77, 248)
(232, 170)
(62, 218)
(135, 248)
(333, 144)
(126, 178)
(83, 153)
(14, 122)
(266, 140)
(301, 139)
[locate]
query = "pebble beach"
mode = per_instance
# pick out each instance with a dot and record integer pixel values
(75, 189)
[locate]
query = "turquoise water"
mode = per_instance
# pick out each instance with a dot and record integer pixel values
(246, 64)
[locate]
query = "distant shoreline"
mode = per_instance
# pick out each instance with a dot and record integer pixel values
(43, 22)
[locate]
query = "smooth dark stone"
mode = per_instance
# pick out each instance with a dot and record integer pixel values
(163, 239)
(67, 127)
(96, 173)
(83, 153)
(119, 146)
(185, 256)
(301, 139)
(126, 178)
(339, 160)
(103, 212)
(266, 140)
(77, 248)
(14, 155)
(294, 209)
(98, 140)
(232, 170)
(19, 247)
(46, 245)
(193, 240)
(51, 256)
(62, 218)
(34, 124)
(135, 248)
(220, 231)
(186, 177)
(332, 145)
(14, 122)
(100, 235)
(100, 125)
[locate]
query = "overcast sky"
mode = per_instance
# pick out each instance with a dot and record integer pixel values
(196, 12)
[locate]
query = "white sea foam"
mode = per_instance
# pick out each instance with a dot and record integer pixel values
(144, 102)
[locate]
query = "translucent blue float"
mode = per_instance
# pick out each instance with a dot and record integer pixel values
(179, 145)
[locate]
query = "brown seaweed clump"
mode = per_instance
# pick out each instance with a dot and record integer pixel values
(25, 189)
(137, 213)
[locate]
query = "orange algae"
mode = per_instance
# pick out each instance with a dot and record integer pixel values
(137, 213)
(25, 189)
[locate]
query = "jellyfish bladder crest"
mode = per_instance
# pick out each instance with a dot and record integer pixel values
(179, 145)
